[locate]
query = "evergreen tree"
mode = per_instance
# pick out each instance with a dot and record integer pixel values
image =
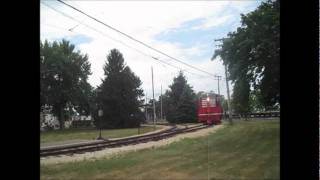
(186, 110)
(120, 94)
(165, 104)
(180, 102)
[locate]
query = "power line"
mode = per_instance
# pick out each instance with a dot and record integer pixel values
(177, 67)
(71, 29)
(53, 26)
(62, 13)
(134, 39)
(139, 51)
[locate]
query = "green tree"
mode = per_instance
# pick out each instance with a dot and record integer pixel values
(240, 97)
(165, 103)
(187, 108)
(255, 101)
(252, 54)
(180, 101)
(121, 95)
(63, 79)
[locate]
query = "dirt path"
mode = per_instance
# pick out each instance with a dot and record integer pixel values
(106, 153)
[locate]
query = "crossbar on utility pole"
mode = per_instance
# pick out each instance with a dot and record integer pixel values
(154, 106)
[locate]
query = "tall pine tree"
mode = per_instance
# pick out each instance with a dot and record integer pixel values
(180, 101)
(120, 94)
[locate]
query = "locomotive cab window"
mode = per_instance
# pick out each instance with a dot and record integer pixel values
(212, 102)
(204, 102)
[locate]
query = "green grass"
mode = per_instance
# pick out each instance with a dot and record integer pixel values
(80, 134)
(245, 150)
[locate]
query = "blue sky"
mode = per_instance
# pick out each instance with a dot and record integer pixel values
(184, 30)
(79, 39)
(188, 37)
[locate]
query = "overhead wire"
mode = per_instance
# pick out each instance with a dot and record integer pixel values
(137, 50)
(53, 26)
(134, 39)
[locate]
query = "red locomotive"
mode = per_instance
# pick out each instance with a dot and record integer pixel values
(210, 109)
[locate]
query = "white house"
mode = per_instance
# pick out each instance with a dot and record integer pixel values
(47, 119)
(50, 120)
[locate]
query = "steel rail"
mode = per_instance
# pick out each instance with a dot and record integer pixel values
(70, 150)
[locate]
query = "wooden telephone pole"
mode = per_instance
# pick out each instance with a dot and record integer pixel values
(161, 104)
(227, 85)
(154, 105)
(218, 78)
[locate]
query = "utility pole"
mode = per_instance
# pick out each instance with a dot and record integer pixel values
(228, 93)
(154, 106)
(227, 85)
(146, 108)
(218, 78)
(161, 103)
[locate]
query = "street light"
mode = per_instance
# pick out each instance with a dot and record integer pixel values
(100, 114)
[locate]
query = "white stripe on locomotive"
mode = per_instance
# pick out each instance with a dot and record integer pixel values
(210, 114)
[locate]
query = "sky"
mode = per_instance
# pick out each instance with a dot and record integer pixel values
(185, 30)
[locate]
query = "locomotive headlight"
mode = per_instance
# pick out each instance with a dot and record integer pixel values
(208, 99)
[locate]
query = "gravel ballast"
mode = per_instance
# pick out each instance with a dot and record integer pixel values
(107, 153)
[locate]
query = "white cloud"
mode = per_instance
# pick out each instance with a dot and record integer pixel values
(143, 20)
(212, 22)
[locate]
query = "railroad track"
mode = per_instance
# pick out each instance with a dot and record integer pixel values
(95, 146)
(63, 147)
